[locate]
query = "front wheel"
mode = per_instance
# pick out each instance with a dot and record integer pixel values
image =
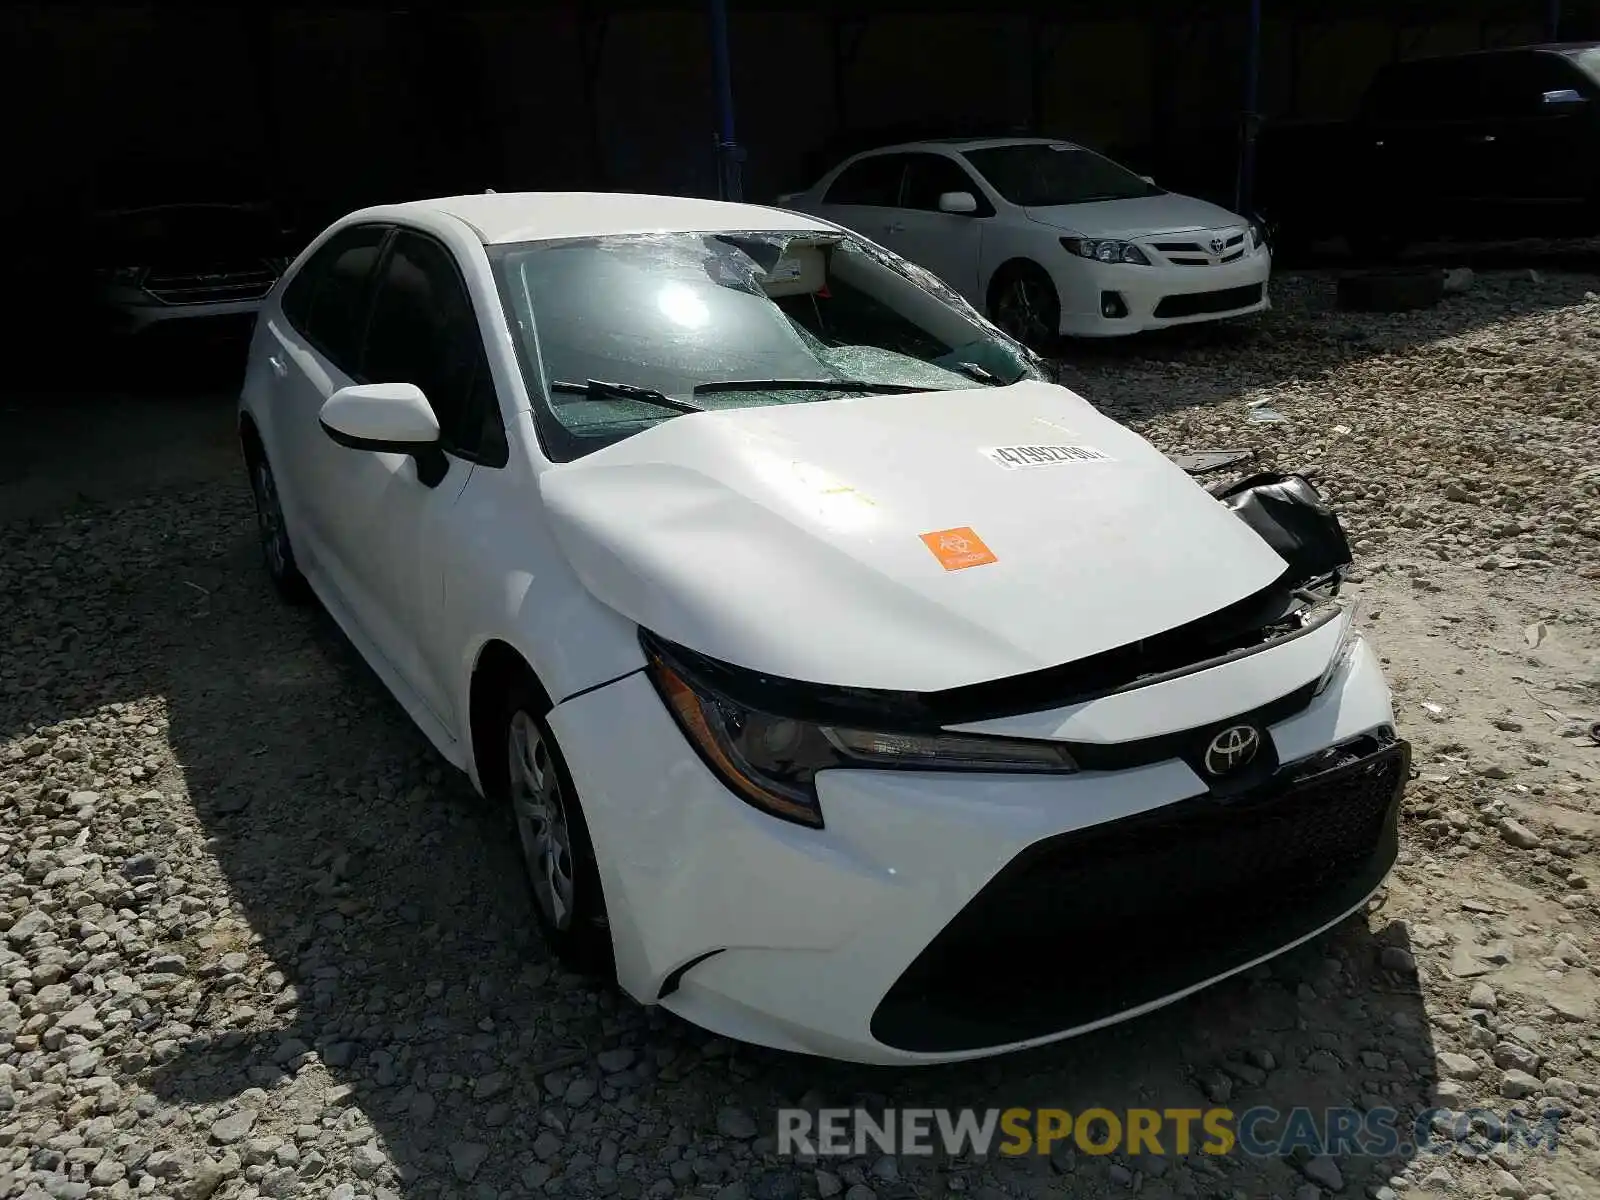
(1023, 301)
(557, 853)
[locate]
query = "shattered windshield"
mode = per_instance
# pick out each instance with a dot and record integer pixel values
(1042, 174)
(616, 334)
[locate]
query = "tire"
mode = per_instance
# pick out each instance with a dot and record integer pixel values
(529, 779)
(1023, 301)
(273, 532)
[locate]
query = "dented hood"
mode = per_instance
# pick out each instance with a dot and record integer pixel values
(914, 542)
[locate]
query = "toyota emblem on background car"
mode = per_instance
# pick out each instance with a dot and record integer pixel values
(1218, 245)
(1233, 749)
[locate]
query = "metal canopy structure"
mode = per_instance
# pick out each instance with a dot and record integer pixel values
(1046, 27)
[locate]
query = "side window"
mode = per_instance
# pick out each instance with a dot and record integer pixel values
(874, 182)
(326, 301)
(425, 332)
(929, 176)
(1505, 87)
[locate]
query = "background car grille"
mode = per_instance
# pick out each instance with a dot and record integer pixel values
(1081, 927)
(211, 287)
(1195, 303)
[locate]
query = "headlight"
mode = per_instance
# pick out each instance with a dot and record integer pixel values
(770, 761)
(1258, 235)
(1344, 651)
(128, 276)
(1106, 251)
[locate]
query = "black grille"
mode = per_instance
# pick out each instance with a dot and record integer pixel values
(1195, 303)
(211, 287)
(1082, 927)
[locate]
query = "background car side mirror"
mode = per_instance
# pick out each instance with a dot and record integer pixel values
(387, 418)
(1148, 179)
(960, 203)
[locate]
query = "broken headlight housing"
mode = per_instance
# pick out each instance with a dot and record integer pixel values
(770, 760)
(1345, 650)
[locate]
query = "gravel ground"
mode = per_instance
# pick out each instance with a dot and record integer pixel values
(255, 939)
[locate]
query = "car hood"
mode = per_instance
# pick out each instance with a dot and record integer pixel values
(1140, 217)
(881, 542)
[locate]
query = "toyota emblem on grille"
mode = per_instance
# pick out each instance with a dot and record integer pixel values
(1218, 245)
(1232, 750)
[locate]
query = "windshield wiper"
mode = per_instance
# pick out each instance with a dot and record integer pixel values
(600, 388)
(807, 385)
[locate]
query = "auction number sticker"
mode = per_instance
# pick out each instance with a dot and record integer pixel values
(1018, 458)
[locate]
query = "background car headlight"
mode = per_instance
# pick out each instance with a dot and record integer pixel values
(1106, 250)
(1258, 235)
(123, 276)
(1344, 651)
(771, 761)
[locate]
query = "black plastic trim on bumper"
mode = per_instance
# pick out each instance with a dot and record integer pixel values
(1086, 926)
(1195, 304)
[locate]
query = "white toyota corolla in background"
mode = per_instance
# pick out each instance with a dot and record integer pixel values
(855, 689)
(1048, 237)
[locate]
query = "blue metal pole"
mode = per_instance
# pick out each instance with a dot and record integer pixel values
(1252, 99)
(729, 155)
(1555, 20)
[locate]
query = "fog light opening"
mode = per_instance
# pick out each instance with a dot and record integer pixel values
(1112, 306)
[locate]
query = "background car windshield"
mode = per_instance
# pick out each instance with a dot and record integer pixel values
(1038, 175)
(1588, 61)
(675, 312)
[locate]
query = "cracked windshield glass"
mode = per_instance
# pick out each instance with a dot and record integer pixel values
(616, 334)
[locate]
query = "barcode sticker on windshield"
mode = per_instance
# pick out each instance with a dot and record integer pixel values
(1017, 458)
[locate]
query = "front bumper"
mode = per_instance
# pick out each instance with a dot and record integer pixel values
(945, 916)
(1158, 296)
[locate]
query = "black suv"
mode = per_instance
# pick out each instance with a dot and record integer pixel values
(1493, 145)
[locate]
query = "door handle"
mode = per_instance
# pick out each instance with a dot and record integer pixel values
(894, 227)
(279, 367)
(1487, 137)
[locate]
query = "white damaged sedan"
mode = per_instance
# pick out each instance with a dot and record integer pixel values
(855, 689)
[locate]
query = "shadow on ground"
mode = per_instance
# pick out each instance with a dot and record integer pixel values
(405, 993)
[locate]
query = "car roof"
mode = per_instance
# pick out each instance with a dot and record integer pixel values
(501, 217)
(970, 143)
(1563, 48)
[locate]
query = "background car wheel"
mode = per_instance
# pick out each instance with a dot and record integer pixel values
(274, 532)
(557, 853)
(1023, 301)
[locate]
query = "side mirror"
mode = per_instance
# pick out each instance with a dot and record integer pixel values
(1150, 179)
(961, 203)
(387, 418)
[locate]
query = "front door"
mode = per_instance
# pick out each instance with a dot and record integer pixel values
(390, 530)
(945, 243)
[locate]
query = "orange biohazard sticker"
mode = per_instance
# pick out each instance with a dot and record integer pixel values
(958, 548)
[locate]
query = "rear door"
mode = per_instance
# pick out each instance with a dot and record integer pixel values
(865, 196)
(1427, 142)
(947, 244)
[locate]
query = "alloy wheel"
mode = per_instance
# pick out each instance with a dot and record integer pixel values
(1020, 311)
(542, 827)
